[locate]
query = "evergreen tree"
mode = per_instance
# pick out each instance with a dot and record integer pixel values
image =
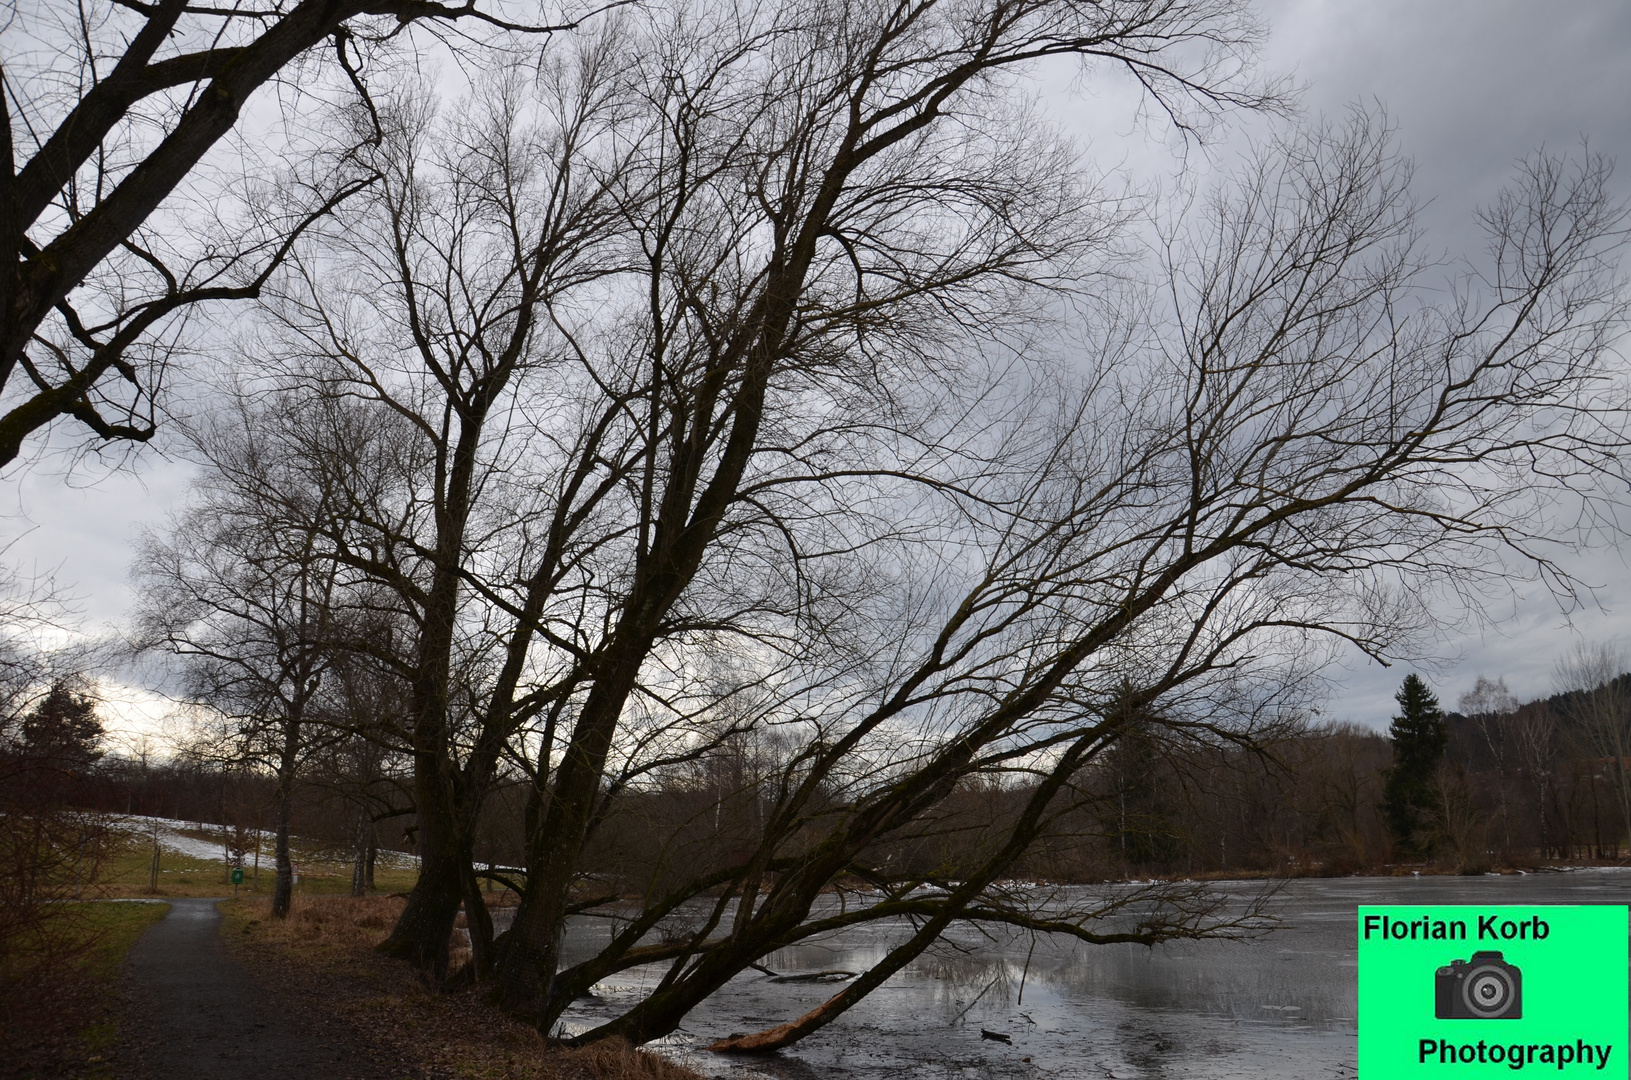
(1419, 737)
(1137, 813)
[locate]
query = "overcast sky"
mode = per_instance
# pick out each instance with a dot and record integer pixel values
(1473, 86)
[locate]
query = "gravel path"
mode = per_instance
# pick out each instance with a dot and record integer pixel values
(202, 1015)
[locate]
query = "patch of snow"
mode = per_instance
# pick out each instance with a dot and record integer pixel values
(172, 837)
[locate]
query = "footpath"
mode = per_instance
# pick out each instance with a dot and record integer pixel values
(199, 1015)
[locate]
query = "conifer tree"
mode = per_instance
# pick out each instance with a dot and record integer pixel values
(1419, 739)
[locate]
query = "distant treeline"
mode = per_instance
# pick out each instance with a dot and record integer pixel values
(1519, 787)
(1534, 783)
(204, 792)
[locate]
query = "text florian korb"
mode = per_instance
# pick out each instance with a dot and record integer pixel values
(1489, 928)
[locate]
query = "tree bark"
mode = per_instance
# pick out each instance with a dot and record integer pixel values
(422, 931)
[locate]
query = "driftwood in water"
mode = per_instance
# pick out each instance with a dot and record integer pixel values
(995, 1036)
(804, 976)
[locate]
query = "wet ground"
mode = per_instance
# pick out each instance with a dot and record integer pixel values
(1281, 1007)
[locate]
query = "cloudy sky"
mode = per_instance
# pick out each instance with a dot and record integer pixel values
(1473, 86)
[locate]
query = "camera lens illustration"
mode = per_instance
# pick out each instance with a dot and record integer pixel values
(1485, 987)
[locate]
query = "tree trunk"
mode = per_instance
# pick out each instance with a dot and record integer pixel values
(446, 803)
(359, 858)
(525, 967)
(283, 893)
(422, 930)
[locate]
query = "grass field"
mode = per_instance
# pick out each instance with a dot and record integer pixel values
(322, 872)
(109, 929)
(62, 1017)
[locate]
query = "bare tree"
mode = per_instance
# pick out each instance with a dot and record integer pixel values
(729, 360)
(432, 306)
(1298, 431)
(1490, 706)
(1454, 820)
(1534, 734)
(366, 767)
(108, 111)
(243, 590)
(533, 237)
(1600, 709)
(812, 223)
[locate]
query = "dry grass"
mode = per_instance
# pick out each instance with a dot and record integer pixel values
(319, 925)
(615, 1059)
(322, 957)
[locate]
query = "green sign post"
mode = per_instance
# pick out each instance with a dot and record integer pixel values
(1468, 991)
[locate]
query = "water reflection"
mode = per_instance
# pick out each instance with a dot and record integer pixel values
(1280, 1007)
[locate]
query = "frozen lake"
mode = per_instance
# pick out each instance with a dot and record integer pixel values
(1280, 1007)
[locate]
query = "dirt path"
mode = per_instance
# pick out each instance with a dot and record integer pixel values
(200, 1014)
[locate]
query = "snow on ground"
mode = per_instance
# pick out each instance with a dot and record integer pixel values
(173, 836)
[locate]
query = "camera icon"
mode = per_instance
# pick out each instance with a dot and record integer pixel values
(1483, 988)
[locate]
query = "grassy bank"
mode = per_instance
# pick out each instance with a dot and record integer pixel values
(323, 956)
(60, 1007)
(323, 872)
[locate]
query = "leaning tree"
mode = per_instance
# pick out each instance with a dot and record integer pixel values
(777, 375)
(627, 307)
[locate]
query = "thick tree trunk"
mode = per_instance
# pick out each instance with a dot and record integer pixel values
(446, 804)
(423, 929)
(447, 879)
(526, 965)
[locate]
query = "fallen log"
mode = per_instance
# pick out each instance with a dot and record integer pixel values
(815, 976)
